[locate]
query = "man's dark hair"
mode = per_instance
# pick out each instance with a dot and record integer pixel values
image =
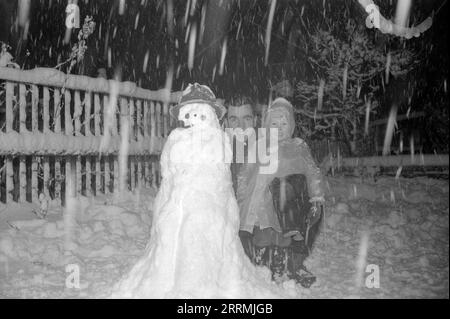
(238, 100)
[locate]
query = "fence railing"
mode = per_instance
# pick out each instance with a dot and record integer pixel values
(67, 132)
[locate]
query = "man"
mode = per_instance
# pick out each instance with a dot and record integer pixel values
(241, 122)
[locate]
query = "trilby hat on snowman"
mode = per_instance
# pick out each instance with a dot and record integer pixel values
(198, 106)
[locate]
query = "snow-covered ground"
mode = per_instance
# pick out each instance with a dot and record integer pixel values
(405, 221)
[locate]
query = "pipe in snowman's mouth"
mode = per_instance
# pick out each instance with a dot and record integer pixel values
(180, 124)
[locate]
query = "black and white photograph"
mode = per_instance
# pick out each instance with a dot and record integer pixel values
(224, 150)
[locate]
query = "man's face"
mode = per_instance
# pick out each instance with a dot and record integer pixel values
(241, 117)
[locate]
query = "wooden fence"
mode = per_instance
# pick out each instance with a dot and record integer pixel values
(66, 132)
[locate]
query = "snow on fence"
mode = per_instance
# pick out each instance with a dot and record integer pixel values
(372, 163)
(55, 125)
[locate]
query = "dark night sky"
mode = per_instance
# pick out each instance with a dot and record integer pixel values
(244, 72)
(47, 26)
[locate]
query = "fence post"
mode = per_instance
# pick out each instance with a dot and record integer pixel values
(69, 178)
(87, 133)
(139, 171)
(88, 172)
(147, 171)
(146, 119)
(116, 174)
(132, 172)
(146, 134)
(57, 111)
(87, 114)
(46, 129)
(107, 174)
(9, 179)
(139, 124)
(8, 129)
(22, 129)
(57, 130)
(159, 128)
(114, 171)
(132, 139)
(34, 108)
(139, 137)
(67, 115)
(131, 124)
(97, 114)
(77, 111)
(152, 120)
(123, 158)
(115, 162)
(34, 128)
(97, 132)
(166, 118)
(79, 179)
(9, 107)
(154, 177)
(98, 175)
(114, 127)
(23, 179)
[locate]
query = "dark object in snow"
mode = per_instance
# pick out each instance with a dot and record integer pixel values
(283, 260)
(303, 276)
(12, 226)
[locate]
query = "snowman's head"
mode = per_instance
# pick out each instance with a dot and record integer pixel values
(195, 106)
(198, 115)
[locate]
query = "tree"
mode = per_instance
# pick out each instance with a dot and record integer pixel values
(348, 70)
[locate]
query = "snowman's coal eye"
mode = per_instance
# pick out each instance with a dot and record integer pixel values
(186, 116)
(195, 115)
(203, 117)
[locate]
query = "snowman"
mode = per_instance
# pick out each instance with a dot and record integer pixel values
(201, 140)
(194, 250)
